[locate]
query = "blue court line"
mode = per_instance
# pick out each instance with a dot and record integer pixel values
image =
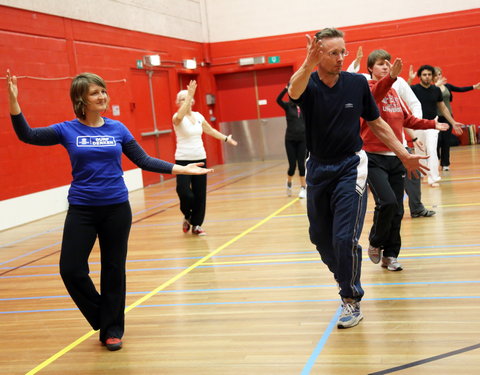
(259, 302)
(269, 254)
(250, 172)
(30, 253)
(150, 208)
(182, 258)
(321, 343)
(241, 255)
(133, 225)
(56, 229)
(210, 185)
(258, 288)
(246, 264)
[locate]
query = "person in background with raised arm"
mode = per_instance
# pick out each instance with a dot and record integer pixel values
(192, 190)
(443, 147)
(431, 99)
(333, 102)
(386, 173)
(413, 185)
(294, 142)
(98, 198)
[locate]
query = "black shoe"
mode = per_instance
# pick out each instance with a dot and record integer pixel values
(424, 213)
(113, 343)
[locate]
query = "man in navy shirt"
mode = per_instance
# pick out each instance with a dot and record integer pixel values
(332, 102)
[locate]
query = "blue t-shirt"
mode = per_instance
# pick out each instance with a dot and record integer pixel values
(332, 115)
(96, 159)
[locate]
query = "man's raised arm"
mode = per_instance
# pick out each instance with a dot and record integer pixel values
(299, 80)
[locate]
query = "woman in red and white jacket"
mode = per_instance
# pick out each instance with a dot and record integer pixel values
(386, 173)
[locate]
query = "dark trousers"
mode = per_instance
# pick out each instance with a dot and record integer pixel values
(296, 152)
(111, 224)
(413, 188)
(192, 192)
(336, 205)
(443, 145)
(386, 176)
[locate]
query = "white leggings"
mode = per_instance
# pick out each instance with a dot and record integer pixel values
(430, 139)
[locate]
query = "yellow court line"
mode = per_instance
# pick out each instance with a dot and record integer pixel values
(459, 205)
(462, 178)
(162, 286)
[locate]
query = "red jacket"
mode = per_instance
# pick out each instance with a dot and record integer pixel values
(393, 111)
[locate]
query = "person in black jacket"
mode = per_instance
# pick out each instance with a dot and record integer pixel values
(294, 142)
(443, 147)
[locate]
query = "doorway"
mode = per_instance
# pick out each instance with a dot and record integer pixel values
(152, 114)
(248, 110)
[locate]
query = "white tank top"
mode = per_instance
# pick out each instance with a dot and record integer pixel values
(189, 139)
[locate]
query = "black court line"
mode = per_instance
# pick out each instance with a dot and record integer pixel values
(426, 360)
(221, 186)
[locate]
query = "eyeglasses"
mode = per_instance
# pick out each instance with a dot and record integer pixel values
(336, 54)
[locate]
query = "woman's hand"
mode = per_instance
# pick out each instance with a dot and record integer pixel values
(231, 141)
(440, 125)
(191, 88)
(192, 168)
(457, 128)
(12, 90)
(441, 81)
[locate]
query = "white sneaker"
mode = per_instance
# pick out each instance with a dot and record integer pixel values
(391, 264)
(374, 253)
(350, 315)
(197, 229)
(446, 168)
(303, 193)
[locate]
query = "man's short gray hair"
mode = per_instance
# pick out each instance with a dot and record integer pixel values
(329, 32)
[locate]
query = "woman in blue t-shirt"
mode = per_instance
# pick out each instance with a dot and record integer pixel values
(98, 198)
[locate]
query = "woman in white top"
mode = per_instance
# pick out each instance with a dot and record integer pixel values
(192, 190)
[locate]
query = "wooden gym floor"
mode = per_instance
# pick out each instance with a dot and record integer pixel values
(252, 297)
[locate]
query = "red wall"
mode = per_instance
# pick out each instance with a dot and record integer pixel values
(40, 45)
(448, 40)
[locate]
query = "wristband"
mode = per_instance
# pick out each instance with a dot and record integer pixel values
(415, 139)
(226, 138)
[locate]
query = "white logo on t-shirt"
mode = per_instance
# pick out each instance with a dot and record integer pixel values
(95, 141)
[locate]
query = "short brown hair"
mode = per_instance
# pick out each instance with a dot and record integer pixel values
(378, 54)
(79, 91)
(329, 32)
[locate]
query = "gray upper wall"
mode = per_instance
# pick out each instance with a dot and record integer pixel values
(224, 20)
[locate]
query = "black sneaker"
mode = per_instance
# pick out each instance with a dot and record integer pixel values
(113, 343)
(424, 213)
(186, 226)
